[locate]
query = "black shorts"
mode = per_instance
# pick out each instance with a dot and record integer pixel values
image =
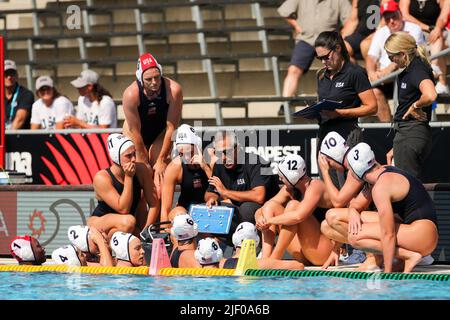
(303, 55)
(354, 40)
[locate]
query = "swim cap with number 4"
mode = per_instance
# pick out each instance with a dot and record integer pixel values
(334, 147)
(293, 168)
(361, 159)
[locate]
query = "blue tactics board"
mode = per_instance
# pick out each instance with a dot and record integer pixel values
(216, 220)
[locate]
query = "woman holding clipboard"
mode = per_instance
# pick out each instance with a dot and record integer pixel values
(343, 81)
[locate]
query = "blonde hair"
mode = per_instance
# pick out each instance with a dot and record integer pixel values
(404, 42)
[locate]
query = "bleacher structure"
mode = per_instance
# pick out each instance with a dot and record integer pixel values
(230, 56)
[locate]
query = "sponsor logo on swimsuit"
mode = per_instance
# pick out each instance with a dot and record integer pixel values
(151, 110)
(340, 84)
(240, 181)
(197, 183)
(403, 86)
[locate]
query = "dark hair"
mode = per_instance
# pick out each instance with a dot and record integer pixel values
(330, 40)
(56, 93)
(100, 91)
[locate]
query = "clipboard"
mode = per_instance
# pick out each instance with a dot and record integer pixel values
(313, 111)
(215, 220)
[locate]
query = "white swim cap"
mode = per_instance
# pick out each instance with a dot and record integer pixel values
(78, 236)
(117, 144)
(66, 255)
(120, 245)
(187, 135)
(293, 168)
(21, 249)
(334, 146)
(146, 61)
(245, 230)
(208, 252)
(184, 227)
(361, 159)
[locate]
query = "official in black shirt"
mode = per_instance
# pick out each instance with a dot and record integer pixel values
(240, 178)
(416, 93)
(18, 99)
(341, 80)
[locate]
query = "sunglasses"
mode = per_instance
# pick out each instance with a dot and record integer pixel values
(325, 57)
(393, 55)
(10, 73)
(224, 151)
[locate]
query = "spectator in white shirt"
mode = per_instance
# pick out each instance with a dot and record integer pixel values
(49, 111)
(96, 108)
(378, 64)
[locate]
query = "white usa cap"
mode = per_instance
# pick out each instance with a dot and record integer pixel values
(184, 227)
(44, 81)
(120, 245)
(361, 159)
(208, 252)
(245, 230)
(66, 255)
(334, 147)
(187, 135)
(293, 168)
(117, 144)
(86, 77)
(78, 236)
(9, 65)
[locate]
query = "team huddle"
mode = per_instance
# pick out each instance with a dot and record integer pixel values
(308, 218)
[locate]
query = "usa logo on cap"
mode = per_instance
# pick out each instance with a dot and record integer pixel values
(145, 62)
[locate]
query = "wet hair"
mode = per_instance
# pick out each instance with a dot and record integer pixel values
(330, 40)
(99, 91)
(404, 42)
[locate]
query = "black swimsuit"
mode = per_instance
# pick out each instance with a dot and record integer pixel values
(318, 213)
(153, 114)
(193, 186)
(230, 263)
(417, 204)
(103, 208)
(175, 257)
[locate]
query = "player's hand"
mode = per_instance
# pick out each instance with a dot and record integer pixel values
(354, 222)
(417, 114)
(211, 202)
(217, 183)
(261, 222)
(323, 163)
(129, 169)
(333, 259)
(158, 175)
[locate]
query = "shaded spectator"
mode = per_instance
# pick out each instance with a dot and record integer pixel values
(49, 111)
(378, 64)
(308, 19)
(357, 27)
(426, 15)
(96, 108)
(18, 99)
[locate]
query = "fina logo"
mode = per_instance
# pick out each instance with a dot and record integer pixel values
(339, 84)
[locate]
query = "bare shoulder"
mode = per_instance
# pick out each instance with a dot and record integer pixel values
(173, 87)
(131, 93)
(101, 178)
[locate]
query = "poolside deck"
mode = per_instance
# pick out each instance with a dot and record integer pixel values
(432, 269)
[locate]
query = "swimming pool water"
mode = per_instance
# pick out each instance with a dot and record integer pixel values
(60, 286)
